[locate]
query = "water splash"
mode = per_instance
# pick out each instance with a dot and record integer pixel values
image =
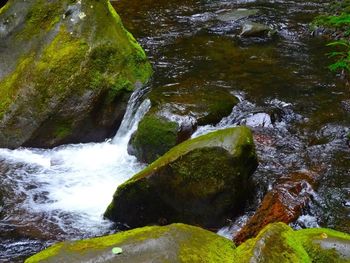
(71, 185)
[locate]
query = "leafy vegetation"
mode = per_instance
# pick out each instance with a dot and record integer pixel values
(337, 20)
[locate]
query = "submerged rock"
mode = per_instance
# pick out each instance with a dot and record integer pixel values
(279, 243)
(284, 203)
(173, 243)
(202, 181)
(67, 69)
(175, 114)
(252, 29)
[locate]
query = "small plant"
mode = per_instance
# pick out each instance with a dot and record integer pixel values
(338, 21)
(342, 55)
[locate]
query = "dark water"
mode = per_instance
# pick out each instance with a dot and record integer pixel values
(298, 110)
(190, 45)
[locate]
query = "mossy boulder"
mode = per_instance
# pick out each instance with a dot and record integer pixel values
(202, 181)
(175, 113)
(67, 69)
(277, 242)
(173, 243)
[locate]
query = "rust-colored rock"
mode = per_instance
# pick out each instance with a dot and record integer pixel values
(284, 203)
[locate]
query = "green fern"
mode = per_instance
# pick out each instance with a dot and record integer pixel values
(343, 56)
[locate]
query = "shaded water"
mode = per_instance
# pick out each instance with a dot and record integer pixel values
(298, 110)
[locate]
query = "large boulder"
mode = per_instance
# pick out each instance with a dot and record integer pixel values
(202, 181)
(67, 69)
(279, 243)
(175, 113)
(173, 243)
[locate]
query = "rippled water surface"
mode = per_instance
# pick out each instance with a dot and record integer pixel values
(299, 112)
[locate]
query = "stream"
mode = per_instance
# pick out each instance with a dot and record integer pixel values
(297, 109)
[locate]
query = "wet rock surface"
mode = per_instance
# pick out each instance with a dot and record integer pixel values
(185, 185)
(284, 203)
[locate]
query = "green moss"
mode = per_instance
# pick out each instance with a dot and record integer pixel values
(48, 253)
(9, 85)
(46, 73)
(154, 136)
(205, 179)
(203, 246)
(63, 50)
(41, 17)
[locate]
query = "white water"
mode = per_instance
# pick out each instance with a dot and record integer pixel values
(76, 180)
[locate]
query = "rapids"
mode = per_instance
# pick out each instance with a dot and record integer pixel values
(298, 110)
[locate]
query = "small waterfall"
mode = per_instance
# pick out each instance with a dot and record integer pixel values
(134, 113)
(70, 186)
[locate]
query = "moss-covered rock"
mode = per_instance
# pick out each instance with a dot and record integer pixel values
(202, 181)
(277, 242)
(173, 243)
(67, 69)
(175, 113)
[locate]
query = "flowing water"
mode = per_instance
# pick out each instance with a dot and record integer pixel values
(298, 110)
